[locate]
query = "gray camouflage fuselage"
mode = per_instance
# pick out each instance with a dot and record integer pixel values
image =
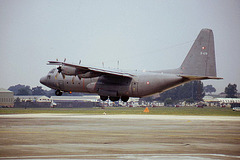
(143, 84)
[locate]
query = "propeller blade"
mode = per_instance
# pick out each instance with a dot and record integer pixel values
(73, 80)
(56, 75)
(63, 75)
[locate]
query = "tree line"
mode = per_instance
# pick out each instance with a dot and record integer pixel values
(24, 90)
(193, 91)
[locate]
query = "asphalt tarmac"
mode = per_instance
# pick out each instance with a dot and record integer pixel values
(75, 136)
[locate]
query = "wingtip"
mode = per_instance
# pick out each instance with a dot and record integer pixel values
(54, 63)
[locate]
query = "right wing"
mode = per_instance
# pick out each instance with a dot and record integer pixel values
(89, 72)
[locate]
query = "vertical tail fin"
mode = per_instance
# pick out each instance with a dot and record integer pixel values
(200, 60)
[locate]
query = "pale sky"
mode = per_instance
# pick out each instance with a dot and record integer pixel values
(141, 34)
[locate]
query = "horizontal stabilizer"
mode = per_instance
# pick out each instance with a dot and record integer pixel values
(199, 77)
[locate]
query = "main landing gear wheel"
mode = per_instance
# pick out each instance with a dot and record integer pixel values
(58, 93)
(124, 99)
(103, 98)
(114, 98)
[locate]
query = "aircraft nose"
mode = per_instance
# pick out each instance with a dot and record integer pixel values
(43, 80)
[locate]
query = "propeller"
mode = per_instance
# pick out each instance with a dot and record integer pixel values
(60, 71)
(58, 74)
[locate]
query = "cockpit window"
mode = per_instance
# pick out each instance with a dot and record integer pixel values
(52, 71)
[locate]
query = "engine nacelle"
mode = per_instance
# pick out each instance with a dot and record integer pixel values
(88, 75)
(66, 70)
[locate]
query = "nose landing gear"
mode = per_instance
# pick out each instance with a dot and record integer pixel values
(58, 93)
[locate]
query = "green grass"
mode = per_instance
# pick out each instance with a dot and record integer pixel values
(208, 111)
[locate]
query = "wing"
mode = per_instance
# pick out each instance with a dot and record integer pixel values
(86, 71)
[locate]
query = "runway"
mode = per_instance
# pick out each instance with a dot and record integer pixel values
(76, 136)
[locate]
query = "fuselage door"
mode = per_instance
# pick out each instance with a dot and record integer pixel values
(134, 87)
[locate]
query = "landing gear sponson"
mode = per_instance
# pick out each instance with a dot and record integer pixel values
(103, 98)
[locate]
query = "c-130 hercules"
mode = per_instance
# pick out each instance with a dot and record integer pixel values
(199, 64)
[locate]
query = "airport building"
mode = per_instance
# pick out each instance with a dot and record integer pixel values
(33, 98)
(6, 98)
(75, 101)
(226, 102)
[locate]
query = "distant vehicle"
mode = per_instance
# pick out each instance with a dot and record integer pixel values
(199, 64)
(236, 109)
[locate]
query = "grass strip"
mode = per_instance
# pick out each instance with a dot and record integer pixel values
(207, 111)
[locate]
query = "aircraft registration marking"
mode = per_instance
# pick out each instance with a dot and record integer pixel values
(203, 53)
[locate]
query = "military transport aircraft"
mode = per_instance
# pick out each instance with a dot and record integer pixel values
(199, 64)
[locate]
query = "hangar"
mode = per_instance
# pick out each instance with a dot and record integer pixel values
(6, 98)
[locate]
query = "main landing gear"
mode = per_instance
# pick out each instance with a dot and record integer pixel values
(123, 98)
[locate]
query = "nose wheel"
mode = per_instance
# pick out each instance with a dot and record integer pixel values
(58, 93)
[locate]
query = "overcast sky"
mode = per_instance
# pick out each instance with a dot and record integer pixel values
(141, 34)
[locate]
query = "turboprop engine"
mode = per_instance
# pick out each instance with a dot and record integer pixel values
(66, 70)
(72, 71)
(88, 74)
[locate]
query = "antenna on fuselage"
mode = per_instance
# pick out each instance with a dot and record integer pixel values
(103, 64)
(118, 64)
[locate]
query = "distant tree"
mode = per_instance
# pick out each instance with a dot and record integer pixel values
(209, 89)
(50, 93)
(147, 99)
(20, 89)
(38, 91)
(190, 100)
(16, 88)
(231, 90)
(17, 100)
(192, 90)
(25, 91)
(168, 102)
(198, 91)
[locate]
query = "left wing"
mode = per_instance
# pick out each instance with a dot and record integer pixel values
(86, 71)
